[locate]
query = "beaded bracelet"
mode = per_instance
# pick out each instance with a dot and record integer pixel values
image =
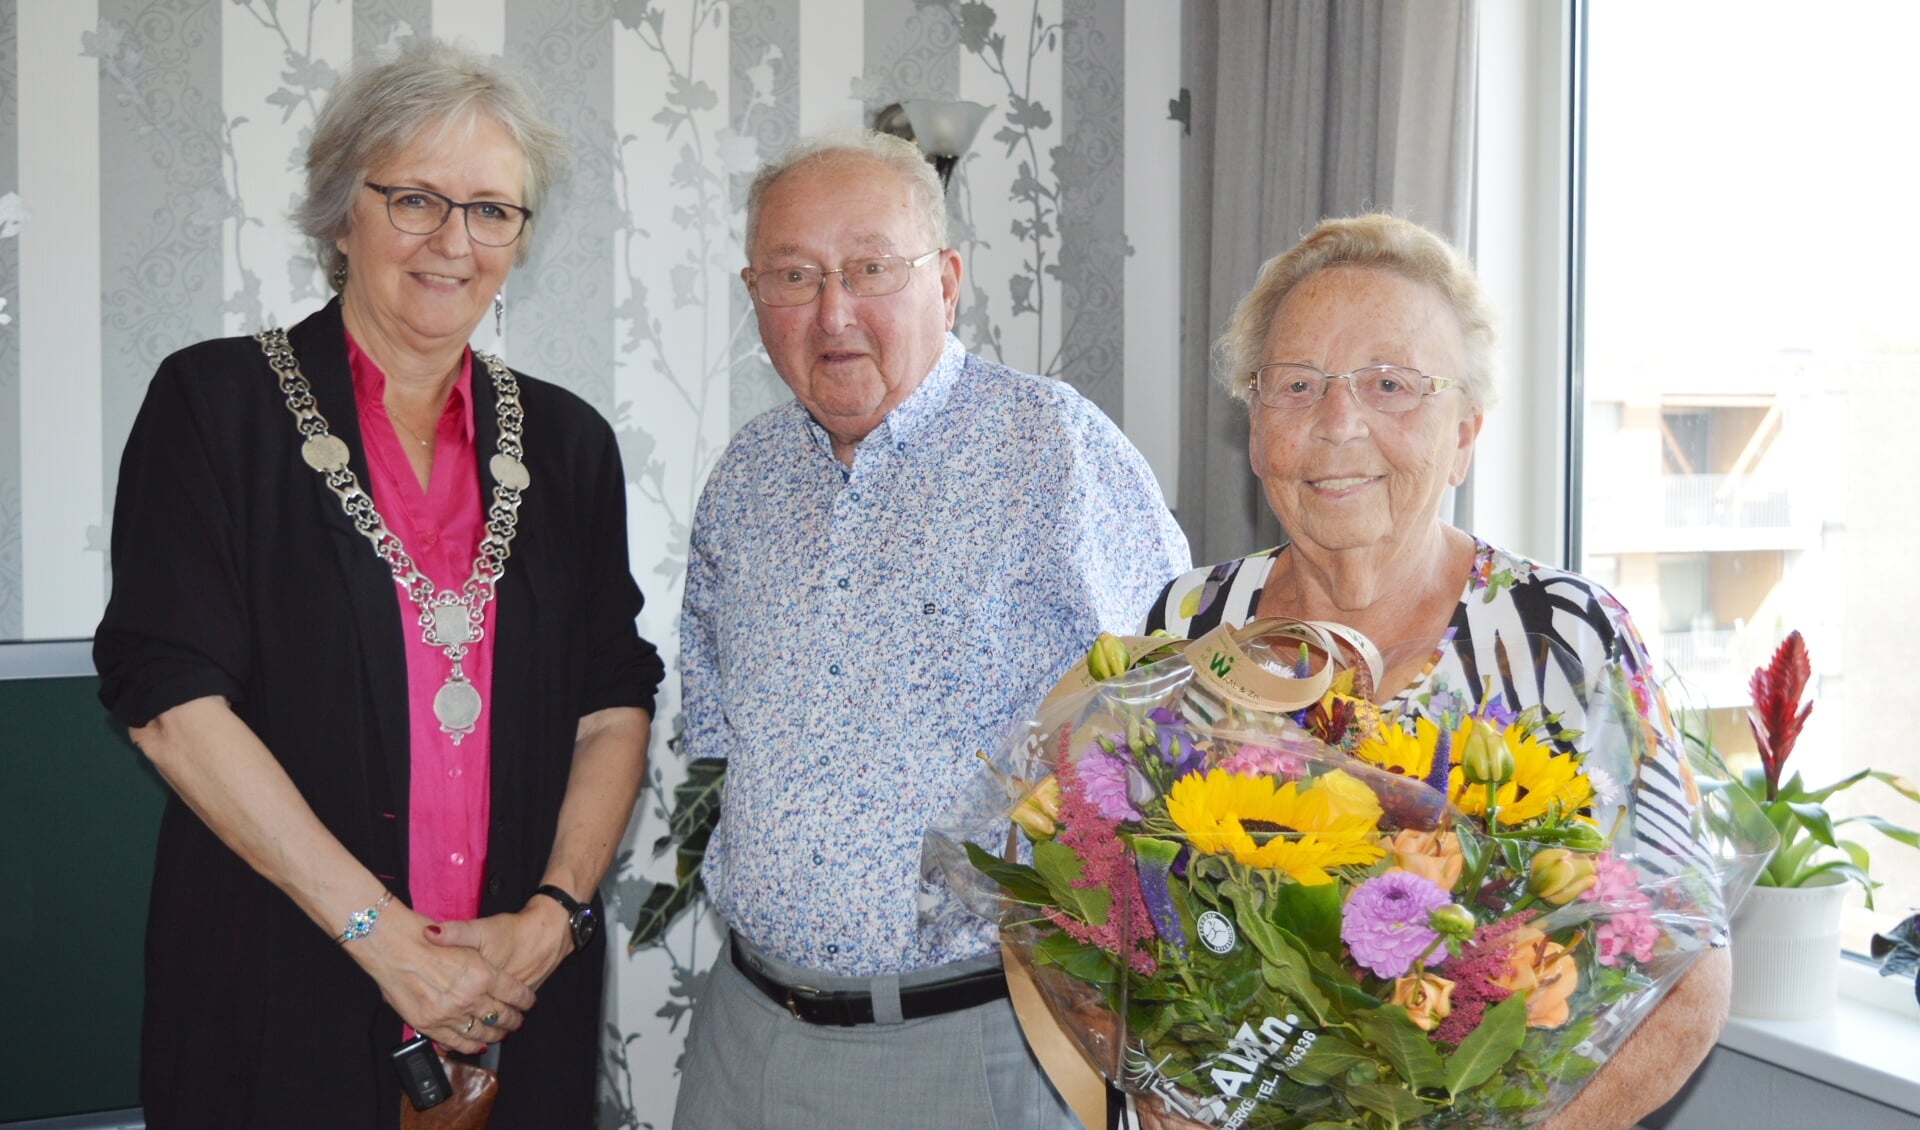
(360, 922)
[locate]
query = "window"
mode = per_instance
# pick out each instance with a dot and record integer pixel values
(1752, 368)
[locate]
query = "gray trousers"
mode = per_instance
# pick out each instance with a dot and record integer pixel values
(750, 1065)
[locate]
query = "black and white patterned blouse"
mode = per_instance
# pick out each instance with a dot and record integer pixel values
(1533, 635)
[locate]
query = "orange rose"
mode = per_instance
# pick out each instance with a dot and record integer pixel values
(1434, 856)
(1428, 999)
(1543, 970)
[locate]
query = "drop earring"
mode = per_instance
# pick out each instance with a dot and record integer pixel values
(500, 314)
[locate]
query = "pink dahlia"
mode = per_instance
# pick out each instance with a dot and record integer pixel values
(1385, 921)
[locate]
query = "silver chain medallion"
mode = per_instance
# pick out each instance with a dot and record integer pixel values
(457, 705)
(451, 621)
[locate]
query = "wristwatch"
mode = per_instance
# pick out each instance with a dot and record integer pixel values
(581, 919)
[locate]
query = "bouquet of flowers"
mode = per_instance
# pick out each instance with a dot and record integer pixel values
(1245, 889)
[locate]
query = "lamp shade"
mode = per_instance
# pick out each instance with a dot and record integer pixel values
(944, 129)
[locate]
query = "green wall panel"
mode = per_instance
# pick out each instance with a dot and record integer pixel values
(79, 809)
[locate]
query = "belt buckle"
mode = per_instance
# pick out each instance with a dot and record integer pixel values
(792, 1005)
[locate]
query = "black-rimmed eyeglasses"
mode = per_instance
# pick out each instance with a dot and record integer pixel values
(420, 211)
(869, 278)
(1293, 387)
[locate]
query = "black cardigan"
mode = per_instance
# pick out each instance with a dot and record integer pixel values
(236, 573)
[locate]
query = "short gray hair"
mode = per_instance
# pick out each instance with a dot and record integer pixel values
(833, 147)
(384, 105)
(1375, 240)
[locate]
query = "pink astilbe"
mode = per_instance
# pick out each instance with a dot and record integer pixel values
(1485, 956)
(1095, 840)
(1629, 927)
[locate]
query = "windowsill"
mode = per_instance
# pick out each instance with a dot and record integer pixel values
(1866, 1045)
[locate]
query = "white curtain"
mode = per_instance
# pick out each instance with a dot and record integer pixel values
(1302, 109)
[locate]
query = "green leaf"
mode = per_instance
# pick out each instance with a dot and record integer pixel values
(1815, 819)
(1021, 883)
(1312, 914)
(1286, 968)
(1329, 1058)
(1060, 868)
(664, 903)
(1886, 828)
(696, 802)
(1501, 1032)
(1387, 1100)
(1405, 1046)
(1839, 867)
(1078, 960)
(1898, 784)
(696, 812)
(1817, 795)
(1246, 915)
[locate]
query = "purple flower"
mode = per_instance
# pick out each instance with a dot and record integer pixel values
(1176, 746)
(1385, 921)
(1155, 858)
(1442, 763)
(1104, 777)
(1495, 713)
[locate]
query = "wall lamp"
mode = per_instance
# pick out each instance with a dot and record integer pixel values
(943, 130)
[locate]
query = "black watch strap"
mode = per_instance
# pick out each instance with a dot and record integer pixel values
(579, 915)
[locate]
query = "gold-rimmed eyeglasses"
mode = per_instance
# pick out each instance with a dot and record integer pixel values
(421, 211)
(1293, 387)
(801, 283)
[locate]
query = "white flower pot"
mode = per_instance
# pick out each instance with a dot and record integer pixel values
(1786, 951)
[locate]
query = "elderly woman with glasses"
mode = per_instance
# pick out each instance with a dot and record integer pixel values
(372, 622)
(1364, 356)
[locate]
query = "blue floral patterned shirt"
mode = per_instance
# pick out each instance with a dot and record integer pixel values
(851, 635)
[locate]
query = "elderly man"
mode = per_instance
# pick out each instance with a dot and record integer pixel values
(884, 575)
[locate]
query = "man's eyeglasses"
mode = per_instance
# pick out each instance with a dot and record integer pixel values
(869, 278)
(419, 211)
(1384, 388)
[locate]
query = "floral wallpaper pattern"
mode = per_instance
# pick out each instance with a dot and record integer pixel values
(631, 296)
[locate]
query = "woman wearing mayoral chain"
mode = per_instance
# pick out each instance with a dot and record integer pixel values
(373, 623)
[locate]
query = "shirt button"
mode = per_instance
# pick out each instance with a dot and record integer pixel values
(823, 761)
(458, 860)
(833, 669)
(818, 858)
(454, 772)
(844, 583)
(899, 447)
(833, 949)
(929, 608)
(853, 496)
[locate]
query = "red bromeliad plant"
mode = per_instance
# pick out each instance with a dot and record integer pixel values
(1798, 813)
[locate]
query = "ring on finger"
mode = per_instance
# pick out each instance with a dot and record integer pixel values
(469, 1026)
(491, 1018)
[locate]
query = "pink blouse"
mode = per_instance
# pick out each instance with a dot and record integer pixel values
(441, 527)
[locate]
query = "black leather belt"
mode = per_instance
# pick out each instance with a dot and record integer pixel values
(848, 1009)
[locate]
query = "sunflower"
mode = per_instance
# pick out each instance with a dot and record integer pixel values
(1396, 751)
(1543, 782)
(1297, 830)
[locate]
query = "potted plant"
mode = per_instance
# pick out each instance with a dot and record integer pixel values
(1786, 934)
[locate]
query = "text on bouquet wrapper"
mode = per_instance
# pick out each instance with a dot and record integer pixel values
(1247, 1052)
(1250, 1050)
